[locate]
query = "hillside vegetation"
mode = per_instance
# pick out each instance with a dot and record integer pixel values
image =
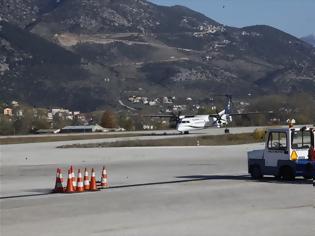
(89, 54)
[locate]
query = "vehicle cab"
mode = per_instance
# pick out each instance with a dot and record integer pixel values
(287, 154)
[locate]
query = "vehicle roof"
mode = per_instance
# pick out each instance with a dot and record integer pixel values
(293, 128)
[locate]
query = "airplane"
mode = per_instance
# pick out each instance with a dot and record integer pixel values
(185, 124)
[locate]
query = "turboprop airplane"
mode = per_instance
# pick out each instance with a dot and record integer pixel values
(185, 124)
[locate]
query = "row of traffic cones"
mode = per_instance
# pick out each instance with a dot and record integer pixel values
(80, 184)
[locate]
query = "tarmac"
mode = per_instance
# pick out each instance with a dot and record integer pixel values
(153, 191)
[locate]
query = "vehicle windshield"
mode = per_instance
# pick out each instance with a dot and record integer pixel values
(301, 139)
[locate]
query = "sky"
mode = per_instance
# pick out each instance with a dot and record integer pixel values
(296, 17)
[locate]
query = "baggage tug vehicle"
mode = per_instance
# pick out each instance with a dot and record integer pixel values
(289, 152)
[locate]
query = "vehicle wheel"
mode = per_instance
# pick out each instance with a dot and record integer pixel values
(226, 131)
(186, 132)
(307, 176)
(277, 177)
(255, 172)
(287, 173)
(308, 172)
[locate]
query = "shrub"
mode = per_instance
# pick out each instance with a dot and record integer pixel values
(259, 134)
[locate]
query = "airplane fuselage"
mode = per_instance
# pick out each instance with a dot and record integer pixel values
(198, 122)
(193, 123)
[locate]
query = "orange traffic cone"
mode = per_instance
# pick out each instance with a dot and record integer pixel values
(80, 187)
(104, 183)
(69, 188)
(59, 182)
(74, 182)
(86, 180)
(93, 186)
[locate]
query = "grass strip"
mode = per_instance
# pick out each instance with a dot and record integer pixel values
(56, 138)
(209, 140)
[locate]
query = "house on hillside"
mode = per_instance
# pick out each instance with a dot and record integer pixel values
(7, 111)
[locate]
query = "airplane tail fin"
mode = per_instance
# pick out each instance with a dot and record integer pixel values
(228, 107)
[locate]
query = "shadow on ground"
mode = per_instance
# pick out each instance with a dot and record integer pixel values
(180, 179)
(272, 180)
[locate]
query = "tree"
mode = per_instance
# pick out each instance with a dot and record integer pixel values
(23, 125)
(126, 122)
(298, 106)
(109, 120)
(76, 121)
(6, 126)
(40, 124)
(60, 122)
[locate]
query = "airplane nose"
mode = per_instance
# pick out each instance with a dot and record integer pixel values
(180, 128)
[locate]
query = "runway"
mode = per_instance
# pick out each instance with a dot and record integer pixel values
(154, 191)
(143, 133)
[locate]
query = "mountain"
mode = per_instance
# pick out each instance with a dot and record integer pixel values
(42, 73)
(309, 39)
(96, 52)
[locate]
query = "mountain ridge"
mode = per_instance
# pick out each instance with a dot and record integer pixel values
(122, 46)
(309, 39)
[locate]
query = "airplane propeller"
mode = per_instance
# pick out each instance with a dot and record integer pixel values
(218, 119)
(175, 117)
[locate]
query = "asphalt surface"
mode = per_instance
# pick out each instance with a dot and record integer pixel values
(153, 191)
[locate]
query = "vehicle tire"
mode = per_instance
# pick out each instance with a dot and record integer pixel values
(308, 172)
(226, 131)
(287, 173)
(277, 177)
(307, 176)
(186, 132)
(255, 172)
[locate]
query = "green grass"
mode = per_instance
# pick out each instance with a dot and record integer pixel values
(56, 138)
(210, 140)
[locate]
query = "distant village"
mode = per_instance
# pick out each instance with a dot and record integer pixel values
(15, 110)
(43, 120)
(165, 101)
(19, 118)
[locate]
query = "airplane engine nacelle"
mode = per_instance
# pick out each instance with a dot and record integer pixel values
(224, 119)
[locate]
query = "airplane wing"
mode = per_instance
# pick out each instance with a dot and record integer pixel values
(241, 114)
(251, 113)
(244, 114)
(160, 116)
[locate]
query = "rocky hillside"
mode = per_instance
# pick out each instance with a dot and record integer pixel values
(96, 52)
(309, 39)
(42, 73)
(26, 13)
